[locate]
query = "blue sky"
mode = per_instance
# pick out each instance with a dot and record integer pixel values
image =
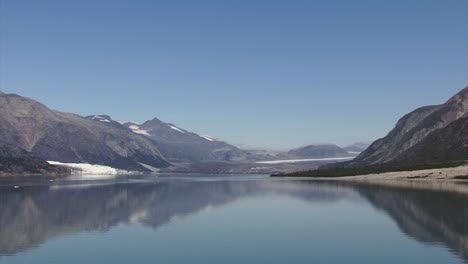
(276, 74)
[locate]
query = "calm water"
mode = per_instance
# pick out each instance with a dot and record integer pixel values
(228, 220)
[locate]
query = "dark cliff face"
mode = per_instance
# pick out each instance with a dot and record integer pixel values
(53, 135)
(447, 144)
(18, 162)
(413, 129)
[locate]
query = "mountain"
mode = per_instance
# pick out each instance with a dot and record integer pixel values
(15, 161)
(424, 135)
(447, 144)
(64, 137)
(177, 144)
(315, 152)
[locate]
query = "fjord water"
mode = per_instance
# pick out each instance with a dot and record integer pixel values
(238, 219)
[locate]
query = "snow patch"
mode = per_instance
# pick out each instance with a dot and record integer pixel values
(302, 160)
(100, 118)
(128, 122)
(175, 128)
(91, 169)
(142, 132)
(136, 129)
(149, 167)
(208, 137)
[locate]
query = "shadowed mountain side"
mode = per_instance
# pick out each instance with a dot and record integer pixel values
(450, 143)
(412, 129)
(17, 161)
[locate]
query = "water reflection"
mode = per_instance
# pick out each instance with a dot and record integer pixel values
(30, 215)
(428, 216)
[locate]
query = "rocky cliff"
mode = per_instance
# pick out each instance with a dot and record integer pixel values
(57, 136)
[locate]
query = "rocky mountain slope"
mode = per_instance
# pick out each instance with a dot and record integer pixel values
(15, 161)
(447, 144)
(177, 144)
(427, 132)
(57, 136)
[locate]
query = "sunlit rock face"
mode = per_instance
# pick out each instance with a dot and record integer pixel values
(412, 131)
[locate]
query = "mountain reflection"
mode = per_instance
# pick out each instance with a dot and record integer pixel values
(31, 215)
(429, 216)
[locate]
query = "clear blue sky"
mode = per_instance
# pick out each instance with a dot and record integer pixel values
(264, 73)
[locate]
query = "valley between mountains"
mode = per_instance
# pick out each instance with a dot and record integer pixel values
(36, 140)
(32, 134)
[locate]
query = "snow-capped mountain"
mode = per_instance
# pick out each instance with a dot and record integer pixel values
(70, 138)
(178, 144)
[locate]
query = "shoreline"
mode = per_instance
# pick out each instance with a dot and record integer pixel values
(418, 175)
(429, 179)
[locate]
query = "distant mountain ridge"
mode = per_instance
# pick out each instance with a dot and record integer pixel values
(357, 147)
(315, 152)
(180, 145)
